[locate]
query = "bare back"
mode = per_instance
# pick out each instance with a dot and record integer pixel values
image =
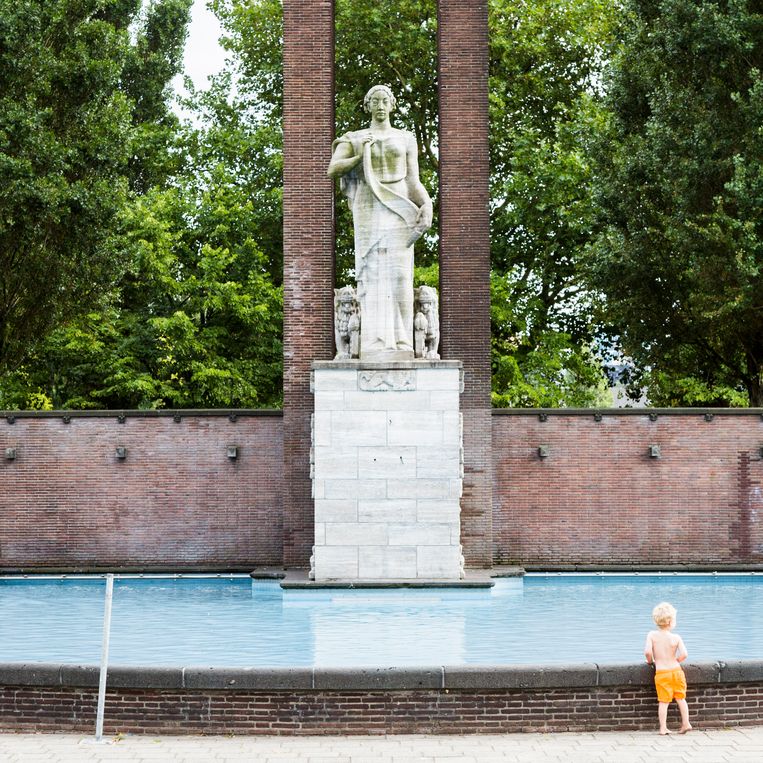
(665, 649)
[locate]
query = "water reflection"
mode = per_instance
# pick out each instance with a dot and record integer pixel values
(237, 622)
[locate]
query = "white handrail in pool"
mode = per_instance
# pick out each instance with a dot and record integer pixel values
(104, 656)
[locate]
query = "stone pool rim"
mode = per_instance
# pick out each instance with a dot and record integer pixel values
(456, 677)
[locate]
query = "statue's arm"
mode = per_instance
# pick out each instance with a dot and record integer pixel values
(416, 191)
(343, 160)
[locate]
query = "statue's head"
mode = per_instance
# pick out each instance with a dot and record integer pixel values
(427, 298)
(345, 299)
(380, 91)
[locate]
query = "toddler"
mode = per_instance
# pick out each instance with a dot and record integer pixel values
(665, 650)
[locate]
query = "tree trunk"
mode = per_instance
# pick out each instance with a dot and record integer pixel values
(755, 392)
(753, 381)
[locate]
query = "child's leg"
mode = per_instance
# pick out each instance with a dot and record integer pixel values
(684, 708)
(662, 715)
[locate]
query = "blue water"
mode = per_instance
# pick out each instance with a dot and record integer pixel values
(234, 621)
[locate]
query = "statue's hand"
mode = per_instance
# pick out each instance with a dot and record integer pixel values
(422, 225)
(366, 140)
(424, 218)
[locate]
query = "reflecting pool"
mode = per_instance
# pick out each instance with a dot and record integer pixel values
(234, 621)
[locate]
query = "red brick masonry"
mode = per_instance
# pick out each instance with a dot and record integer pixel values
(308, 247)
(600, 498)
(462, 36)
(438, 700)
(177, 502)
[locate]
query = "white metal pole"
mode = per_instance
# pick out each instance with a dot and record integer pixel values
(104, 656)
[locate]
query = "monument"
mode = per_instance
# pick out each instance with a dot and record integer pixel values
(461, 80)
(386, 456)
(379, 174)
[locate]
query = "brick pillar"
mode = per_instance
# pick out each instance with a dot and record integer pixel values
(465, 250)
(308, 242)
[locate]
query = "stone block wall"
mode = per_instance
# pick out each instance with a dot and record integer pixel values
(388, 467)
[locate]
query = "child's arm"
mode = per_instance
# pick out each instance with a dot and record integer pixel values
(681, 653)
(648, 649)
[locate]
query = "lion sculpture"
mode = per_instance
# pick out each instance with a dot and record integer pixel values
(426, 323)
(346, 323)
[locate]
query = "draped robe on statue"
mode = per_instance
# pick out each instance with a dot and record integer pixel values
(384, 221)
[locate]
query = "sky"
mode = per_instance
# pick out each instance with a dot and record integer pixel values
(203, 54)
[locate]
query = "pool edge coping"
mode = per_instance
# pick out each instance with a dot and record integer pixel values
(455, 677)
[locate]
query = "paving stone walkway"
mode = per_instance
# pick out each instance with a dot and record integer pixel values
(738, 745)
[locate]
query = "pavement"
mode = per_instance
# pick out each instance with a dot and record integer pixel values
(735, 745)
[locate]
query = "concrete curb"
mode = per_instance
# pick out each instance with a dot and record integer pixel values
(462, 677)
(520, 676)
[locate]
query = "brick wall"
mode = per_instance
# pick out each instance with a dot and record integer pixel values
(308, 201)
(599, 498)
(465, 248)
(175, 502)
(153, 711)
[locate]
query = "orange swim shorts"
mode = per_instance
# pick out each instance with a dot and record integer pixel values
(670, 684)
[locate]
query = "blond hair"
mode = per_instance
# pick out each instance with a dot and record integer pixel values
(664, 614)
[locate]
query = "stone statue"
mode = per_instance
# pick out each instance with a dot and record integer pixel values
(426, 324)
(346, 323)
(391, 209)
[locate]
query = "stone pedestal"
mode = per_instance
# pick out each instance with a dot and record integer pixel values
(387, 466)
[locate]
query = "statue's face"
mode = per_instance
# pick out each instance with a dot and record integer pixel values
(426, 307)
(380, 105)
(346, 307)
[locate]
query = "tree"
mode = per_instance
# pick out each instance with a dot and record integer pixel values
(202, 299)
(153, 60)
(545, 58)
(68, 151)
(680, 184)
(204, 232)
(195, 320)
(545, 63)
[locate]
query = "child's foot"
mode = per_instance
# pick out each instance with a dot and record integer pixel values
(684, 729)
(666, 732)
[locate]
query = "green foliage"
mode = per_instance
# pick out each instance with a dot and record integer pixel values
(64, 128)
(183, 290)
(239, 143)
(74, 137)
(155, 57)
(545, 63)
(671, 390)
(427, 275)
(202, 291)
(192, 314)
(554, 372)
(196, 321)
(680, 183)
